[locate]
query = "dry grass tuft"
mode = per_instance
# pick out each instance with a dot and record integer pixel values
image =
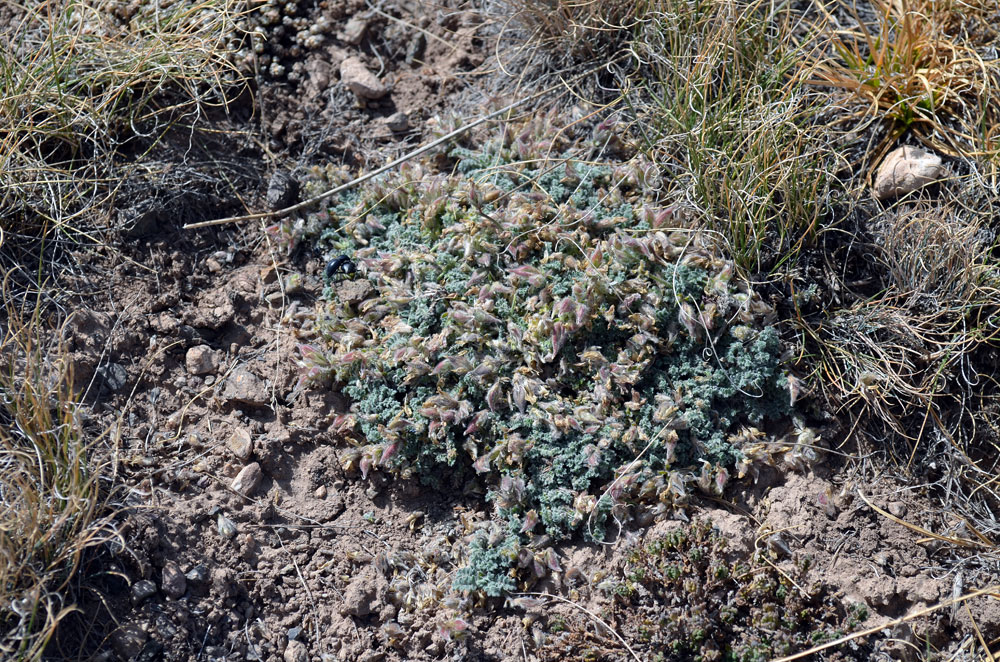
(573, 29)
(53, 508)
(910, 366)
(735, 138)
(903, 350)
(927, 67)
(86, 85)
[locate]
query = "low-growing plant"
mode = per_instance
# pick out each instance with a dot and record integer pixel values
(686, 596)
(537, 323)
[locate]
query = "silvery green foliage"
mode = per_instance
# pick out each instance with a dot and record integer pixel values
(538, 322)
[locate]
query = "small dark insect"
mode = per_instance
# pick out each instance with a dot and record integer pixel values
(340, 265)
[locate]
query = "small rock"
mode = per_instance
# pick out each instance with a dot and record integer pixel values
(359, 597)
(282, 190)
(142, 589)
(113, 376)
(200, 360)
(398, 122)
(898, 509)
(240, 443)
(173, 583)
(248, 479)
(354, 31)
(293, 633)
(319, 72)
(320, 492)
(296, 652)
(128, 640)
(905, 170)
(198, 574)
(153, 650)
(215, 653)
(359, 80)
(354, 291)
(415, 49)
(246, 387)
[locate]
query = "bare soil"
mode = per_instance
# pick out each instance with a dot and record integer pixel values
(189, 337)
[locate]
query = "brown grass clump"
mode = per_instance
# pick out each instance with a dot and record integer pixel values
(925, 67)
(52, 505)
(86, 84)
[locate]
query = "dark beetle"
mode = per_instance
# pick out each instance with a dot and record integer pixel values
(340, 265)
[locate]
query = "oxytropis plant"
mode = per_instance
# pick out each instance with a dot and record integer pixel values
(526, 316)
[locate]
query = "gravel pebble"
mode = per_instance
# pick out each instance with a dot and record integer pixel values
(354, 291)
(282, 190)
(113, 376)
(248, 479)
(359, 597)
(398, 122)
(354, 31)
(128, 640)
(241, 444)
(246, 387)
(296, 652)
(359, 80)
(201, 360)
(142, 589)
(173, 582)
(198, 574)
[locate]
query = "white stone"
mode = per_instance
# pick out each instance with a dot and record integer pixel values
(296, 652)
(905, 170)
(359, 80)
(200, 360)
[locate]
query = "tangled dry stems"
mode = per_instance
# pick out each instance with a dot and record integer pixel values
(53, 507)
(88, 84)
(924, 67)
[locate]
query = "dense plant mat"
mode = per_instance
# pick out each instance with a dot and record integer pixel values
(527, 320)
